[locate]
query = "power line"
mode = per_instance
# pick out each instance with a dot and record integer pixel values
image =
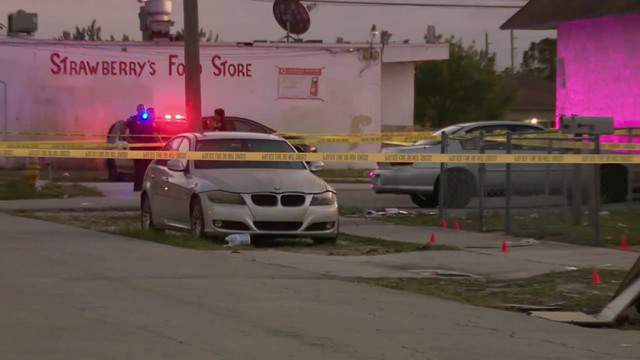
(387, 3)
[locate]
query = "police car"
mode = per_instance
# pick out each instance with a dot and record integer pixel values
(169, 125)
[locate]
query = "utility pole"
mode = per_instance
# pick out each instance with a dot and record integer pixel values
(513, 51)
(193, 97)
(486, 44)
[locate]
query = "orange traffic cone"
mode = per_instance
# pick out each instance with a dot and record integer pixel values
(432, 240)
(505, 247)
(596, 277)
(456, 225)
(443, 224)
(624, 244)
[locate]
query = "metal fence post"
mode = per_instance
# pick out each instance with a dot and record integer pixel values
(576, 191)
(481, 173)
(507, 197)
(630, 171)
(442, 187)
(596, 193)
(548, 172)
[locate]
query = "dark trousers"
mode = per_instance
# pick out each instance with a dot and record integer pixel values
(140, 167)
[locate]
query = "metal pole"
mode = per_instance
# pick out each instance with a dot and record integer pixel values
(442, 187)
(486, 44)
(547, 172)
(193, 97)
(629, 171)
(6, 110)
(513, 50)
(508, 190)
(576, 192)
(481, 173)
(596, 194)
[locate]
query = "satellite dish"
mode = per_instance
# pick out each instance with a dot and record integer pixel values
(292, 16)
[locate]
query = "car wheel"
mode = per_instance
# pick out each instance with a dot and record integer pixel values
(461, 188)
(197, 220)
(146, 218)
(425, 200)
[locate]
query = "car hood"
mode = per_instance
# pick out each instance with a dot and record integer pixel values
(259, 180)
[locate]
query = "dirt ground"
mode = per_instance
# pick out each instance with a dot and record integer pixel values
(566, 291)
(127, 223)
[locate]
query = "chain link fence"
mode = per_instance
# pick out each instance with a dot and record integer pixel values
(572, 201)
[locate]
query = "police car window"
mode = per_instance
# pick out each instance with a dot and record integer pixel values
(246, 126)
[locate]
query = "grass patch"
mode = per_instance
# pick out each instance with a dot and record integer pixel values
(18, 189)
(350, 211)
(59, 175)
(548, 224)
(348, 245)
(571, 290)
(127, 223)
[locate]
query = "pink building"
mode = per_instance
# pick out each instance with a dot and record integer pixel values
(598, 72)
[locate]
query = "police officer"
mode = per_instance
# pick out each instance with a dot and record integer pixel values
(217, 123)
(142, 129)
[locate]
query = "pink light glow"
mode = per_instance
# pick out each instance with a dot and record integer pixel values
(599, 69)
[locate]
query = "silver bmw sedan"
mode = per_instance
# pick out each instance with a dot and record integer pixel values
(219, 198)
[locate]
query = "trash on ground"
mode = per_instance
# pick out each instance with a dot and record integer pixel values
(387, 212)
(236, 240)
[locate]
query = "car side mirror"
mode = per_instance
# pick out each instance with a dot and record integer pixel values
(176, 165)
(316, 166)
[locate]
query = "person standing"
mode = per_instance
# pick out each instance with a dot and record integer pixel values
(142, 130)
(217, 122)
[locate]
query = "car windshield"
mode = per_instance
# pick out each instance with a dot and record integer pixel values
(450, 130)
(246, 145)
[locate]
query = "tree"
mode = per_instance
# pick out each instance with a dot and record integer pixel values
(540, 59)
(202, 34)
(466, 87)
(91, 32)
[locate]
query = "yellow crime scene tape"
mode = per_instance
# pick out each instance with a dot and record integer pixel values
(328, 157)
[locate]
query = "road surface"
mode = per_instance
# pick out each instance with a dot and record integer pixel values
(69, 293)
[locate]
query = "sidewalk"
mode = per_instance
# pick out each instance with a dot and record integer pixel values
(481, 253)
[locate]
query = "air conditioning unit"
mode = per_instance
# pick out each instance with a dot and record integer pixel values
(155, 19)
(22, 23)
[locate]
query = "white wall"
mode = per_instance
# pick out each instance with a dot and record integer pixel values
(398, 93)
(41, 96)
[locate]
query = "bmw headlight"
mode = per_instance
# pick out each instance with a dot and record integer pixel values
(223, 197)
(324, 199)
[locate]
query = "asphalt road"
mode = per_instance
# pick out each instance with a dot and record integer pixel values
(69, 293)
